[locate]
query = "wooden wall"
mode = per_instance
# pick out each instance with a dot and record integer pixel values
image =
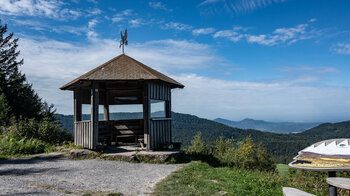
(159, 129)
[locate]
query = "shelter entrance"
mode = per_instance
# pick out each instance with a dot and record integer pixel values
(123, 112)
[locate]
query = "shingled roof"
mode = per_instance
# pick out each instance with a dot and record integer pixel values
(122, 68)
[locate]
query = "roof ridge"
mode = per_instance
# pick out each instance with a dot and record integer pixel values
(99, 67)
(90, 72)
(143, 66)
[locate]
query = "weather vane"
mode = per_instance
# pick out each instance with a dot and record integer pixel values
(123, 41)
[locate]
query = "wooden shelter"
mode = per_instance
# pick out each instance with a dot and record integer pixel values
(120, 81)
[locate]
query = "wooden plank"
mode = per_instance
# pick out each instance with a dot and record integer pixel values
(343, 183)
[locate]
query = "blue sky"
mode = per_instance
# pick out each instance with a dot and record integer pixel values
(277, 60)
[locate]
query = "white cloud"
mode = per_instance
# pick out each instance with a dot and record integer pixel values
(40, 26)
(92, 23)
(204, 31)
(138, 22)
(309, 69)
(313, 20)
(206, 2)
(50, 8)
(341, 48)
(122, 15)
(277, 37)
(289, 100)
(177, 26)
(94, 11)
(230, 34)
(158, 6)
(91, 35)
(236, 6)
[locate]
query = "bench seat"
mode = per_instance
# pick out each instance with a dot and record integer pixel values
(343, 183)
(289, 191)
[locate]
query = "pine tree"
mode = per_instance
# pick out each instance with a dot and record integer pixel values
(20, 96)
(4, 111)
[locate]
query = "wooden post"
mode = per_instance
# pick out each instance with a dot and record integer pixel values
(168, 113)
(77, 112)
(146, 115)
(94, 116)
(106, 107)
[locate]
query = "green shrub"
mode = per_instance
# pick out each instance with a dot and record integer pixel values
(246, 154)
(198, 148)
(265, 160)
(46, 130)
(223, 152)
(13, 146)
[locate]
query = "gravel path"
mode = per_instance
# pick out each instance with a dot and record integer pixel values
(62, 176)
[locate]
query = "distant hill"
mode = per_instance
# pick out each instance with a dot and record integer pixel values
(261, 125)
(282, 146)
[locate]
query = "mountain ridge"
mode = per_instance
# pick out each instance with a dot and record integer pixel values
(275, 127)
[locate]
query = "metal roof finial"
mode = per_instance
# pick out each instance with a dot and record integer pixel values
(123, 40)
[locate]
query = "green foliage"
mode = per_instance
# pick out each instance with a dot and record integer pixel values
(46, 131)
(14, 146)
(224, 153)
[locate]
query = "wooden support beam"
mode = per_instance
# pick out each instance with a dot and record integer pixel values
(168, 113)
(94, 116)
(106, 107)
(146, 115)
(77, 105)
(77, 112)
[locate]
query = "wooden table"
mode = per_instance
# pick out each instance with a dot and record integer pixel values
(331, 173)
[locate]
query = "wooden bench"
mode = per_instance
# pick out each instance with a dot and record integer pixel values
(289, 191)
(343, 183)
(122, 130)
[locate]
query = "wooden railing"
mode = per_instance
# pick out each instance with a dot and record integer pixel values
(83, 134)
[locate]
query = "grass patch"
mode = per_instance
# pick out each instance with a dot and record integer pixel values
(282, 170)
(198, 178)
